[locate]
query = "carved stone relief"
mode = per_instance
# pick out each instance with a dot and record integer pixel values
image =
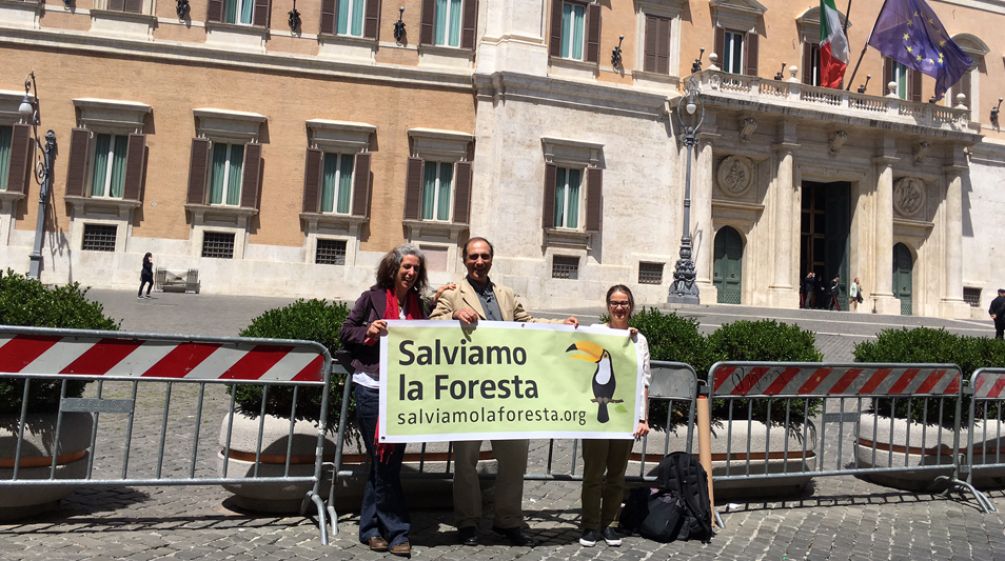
(909, 197)
(735, 175)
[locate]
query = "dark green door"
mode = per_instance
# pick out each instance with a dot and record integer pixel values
(728, 268)
(903, 280)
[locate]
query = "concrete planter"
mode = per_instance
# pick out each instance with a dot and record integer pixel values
(899, 443)
(273, 497)
(730, 457)
(36, 458)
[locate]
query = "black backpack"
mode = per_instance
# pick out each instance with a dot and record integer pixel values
(680, 509)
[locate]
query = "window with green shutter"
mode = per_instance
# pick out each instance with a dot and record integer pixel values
(6, 134)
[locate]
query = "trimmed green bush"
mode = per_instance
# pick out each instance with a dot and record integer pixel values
(672, 338)
(927, 345)
(28, 302)
(310, 320)
(764, 340)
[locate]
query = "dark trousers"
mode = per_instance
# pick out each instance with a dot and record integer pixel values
(999, 328)
(602, 496)
(149, 284)
(383, 512)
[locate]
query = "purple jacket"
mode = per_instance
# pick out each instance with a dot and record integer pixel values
(369, 306)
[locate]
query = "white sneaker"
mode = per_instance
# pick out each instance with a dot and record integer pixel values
(589, 538)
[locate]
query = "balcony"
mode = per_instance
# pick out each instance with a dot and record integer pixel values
(795, 99)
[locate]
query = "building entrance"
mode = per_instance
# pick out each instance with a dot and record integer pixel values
(823, 241)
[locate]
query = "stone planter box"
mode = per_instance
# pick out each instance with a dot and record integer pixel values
(913, 444)
(36, 459)
(767, 455)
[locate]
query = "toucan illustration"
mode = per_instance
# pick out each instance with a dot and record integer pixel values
(603, 376)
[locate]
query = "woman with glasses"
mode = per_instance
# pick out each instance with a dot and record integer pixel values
(602, 496)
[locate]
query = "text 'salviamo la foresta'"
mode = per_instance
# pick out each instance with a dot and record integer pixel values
(463, 354)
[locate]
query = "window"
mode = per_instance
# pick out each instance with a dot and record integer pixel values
(573, 30)
(448, 23)
(225, 174)
(732, 56)
(650, 273)
(99, 237)
(907, 81)
(238, 11)
(972, 296)
(336, 187)
(108, 172)
(437, 180)
(567, 195)
(218, 245)
(330, 252)
(129, 6)
(6, 138)
(564, 267)
(350, 17)
(657, 45)
(811, 64)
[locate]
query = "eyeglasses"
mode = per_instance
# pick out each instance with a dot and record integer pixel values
(483, 256)
(624, 304)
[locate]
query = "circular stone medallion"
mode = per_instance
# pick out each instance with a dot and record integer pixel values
(735, 175)
(909, 196)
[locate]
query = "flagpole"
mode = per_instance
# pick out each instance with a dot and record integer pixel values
(864, 47)
(847, 14)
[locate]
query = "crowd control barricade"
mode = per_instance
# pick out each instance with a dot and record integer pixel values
(986, 434)
(155, 408)
(550, 460)
(848, 395)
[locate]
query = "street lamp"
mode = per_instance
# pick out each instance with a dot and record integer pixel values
(690, 113)
(29, 111)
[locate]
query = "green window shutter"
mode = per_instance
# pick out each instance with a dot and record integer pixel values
(135, 167)
(80, 144)
(361, 186)
(198, 171)
(548, 212)
(251, 183)
(312, 180)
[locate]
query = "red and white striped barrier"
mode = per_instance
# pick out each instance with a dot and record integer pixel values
(988, 383)
(816, 380)
(133, 356)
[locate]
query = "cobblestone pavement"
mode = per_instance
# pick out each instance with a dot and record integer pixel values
(838, 518)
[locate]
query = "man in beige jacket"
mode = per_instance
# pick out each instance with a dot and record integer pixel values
(475, 299)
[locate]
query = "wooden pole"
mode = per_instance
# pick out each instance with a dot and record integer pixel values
(705, 447)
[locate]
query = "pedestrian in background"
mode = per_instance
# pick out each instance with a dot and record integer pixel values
(834, 292)
(855, 294)
(146, 276)
(997, 311)
(807, 289)
(602, 496)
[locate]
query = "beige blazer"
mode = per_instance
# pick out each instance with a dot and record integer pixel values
(464, 296)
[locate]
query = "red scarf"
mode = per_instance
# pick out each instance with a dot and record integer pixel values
(392, 310)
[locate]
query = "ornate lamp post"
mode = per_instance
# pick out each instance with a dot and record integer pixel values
(29, 111)
(690, 113)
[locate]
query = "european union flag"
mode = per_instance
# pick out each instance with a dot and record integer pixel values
(909, 32)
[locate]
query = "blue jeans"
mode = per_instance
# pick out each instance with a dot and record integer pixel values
(383, 512)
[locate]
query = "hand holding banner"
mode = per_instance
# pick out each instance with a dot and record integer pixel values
(506, 380)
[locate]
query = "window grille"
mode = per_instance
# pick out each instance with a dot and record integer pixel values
(972, 296)
(218, 245)
(565, 267)
(330, 252)
(99, 237)
(650, 273)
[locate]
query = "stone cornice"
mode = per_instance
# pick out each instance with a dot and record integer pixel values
(286, 63)
(511, 86)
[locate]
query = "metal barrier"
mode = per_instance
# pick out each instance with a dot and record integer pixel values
(881, 446)
(129, 436)
(984, 437)
(673, 382)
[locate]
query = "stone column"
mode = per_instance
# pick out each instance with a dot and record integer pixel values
(952, 304)
(515, 37)
(782, 293)
(882, 281)
(702, 232)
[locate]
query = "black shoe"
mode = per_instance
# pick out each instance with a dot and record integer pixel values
(611, 536)
(516, 536)
(589, 538)
(467, 535)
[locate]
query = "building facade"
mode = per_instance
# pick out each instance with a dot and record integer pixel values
(284, 155)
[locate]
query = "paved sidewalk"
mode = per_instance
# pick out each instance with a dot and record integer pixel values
(839, 519)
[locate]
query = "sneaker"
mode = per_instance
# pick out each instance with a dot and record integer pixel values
(589, 538)
(139, 297)
(611, 536)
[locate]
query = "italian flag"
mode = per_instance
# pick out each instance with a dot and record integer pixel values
(833, 46)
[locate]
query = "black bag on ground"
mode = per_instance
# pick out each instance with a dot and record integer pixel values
(680, 510)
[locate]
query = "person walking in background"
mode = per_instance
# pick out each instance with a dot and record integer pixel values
(997, 311)
(401, 279)
(602, 497)
(807, 290)
(854, 294)
(475, 299)
(146, 276)
(833, 293)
